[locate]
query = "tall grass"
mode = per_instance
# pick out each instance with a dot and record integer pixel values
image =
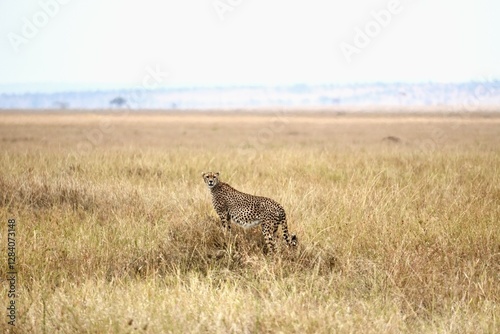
(123, 238)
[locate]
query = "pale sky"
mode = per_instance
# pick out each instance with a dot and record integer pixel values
(91, 44)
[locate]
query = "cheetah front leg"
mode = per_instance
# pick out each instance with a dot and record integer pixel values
(225, 220)
(267, 232)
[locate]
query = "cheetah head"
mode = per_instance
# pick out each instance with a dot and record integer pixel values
(211, 179)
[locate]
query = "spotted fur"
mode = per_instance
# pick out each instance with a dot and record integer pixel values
(248, 211)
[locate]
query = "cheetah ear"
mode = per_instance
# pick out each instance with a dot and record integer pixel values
(203, 174)
(216, 174)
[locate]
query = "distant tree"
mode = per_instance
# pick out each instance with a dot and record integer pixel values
(118, 102)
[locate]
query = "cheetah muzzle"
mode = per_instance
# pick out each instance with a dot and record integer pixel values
(248, 210)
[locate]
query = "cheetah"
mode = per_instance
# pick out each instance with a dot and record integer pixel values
(248, 211)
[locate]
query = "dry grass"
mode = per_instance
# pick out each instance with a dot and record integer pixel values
(116, 232)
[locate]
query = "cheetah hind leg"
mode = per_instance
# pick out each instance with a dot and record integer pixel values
(267, 231)
(291, 240)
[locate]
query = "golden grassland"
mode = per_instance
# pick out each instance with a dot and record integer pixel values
(397, 218)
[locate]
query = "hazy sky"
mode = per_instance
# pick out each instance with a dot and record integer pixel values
(49, 44)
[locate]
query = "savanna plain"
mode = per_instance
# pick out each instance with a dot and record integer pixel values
(397, 216)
